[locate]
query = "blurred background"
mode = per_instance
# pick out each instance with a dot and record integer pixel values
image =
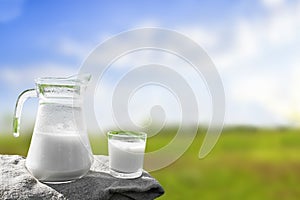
(254, 44)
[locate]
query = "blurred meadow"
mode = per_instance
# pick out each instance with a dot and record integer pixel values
(246, 163)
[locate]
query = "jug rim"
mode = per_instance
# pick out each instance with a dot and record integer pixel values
(78, 79)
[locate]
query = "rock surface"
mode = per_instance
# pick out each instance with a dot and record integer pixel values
(17, 183)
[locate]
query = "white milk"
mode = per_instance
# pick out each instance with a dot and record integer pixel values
(58, 157)
(125, 156)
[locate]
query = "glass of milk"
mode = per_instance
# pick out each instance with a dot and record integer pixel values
(126, 153)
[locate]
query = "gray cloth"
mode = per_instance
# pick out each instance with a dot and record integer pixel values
(17, 183)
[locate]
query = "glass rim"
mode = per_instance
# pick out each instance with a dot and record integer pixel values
(125, 133)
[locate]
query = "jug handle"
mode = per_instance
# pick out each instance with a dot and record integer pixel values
(18, 109)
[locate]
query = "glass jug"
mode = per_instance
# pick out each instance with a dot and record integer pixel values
(60, 150)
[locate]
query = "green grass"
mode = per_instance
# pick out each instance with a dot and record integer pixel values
(264, 164)
(245, 164)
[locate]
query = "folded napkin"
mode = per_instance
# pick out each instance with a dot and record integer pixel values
(17, 183)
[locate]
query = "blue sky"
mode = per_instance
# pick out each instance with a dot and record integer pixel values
(254, 44)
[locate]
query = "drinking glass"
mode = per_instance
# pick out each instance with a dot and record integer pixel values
(126, 153)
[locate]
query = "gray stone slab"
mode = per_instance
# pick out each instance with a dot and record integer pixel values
(17, 183)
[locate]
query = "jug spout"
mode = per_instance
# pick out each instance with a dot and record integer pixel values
(81, 78)
(18, 109)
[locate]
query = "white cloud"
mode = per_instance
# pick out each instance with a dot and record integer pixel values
(70, 47)
(248, 43)
(276, 91)
(271, 4)
(263, 90)
(264, 48)
(283, 26)
(261, 46)
(206, 38)
(293, 111)
(253, 38)
(245, 45)
(150, 95)
(18, 77)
